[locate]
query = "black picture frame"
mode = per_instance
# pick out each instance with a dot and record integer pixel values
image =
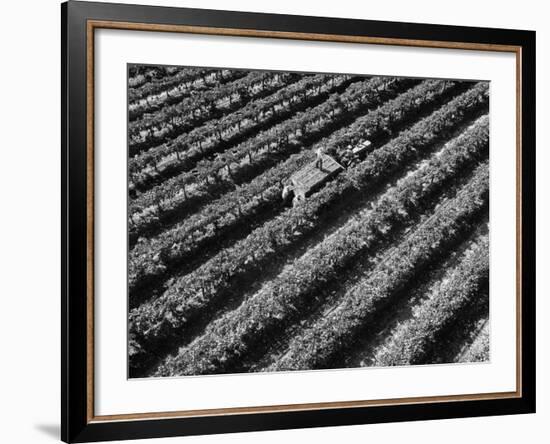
(77, 425)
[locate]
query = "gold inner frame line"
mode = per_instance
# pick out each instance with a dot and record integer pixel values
(96, 24)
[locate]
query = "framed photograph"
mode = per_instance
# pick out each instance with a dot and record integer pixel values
(276, 221)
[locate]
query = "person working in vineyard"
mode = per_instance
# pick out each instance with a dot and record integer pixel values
(319, 159)
(288, 194)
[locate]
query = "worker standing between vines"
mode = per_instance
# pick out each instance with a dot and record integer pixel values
(288, 193)
(319, 161)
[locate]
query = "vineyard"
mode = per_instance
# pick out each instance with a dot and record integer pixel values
(283, 221)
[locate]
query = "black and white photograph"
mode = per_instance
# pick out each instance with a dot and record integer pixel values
(275, 220)
(282, 221)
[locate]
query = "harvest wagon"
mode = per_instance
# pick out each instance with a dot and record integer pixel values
(312, 177)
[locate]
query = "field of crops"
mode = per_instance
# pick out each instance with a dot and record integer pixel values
(237, 263)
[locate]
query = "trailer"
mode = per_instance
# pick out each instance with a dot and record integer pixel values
(312, 177)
